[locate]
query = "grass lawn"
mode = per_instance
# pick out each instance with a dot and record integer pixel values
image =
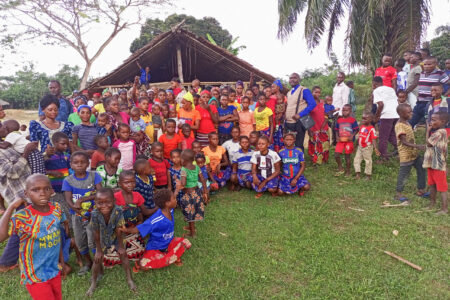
(311, 247)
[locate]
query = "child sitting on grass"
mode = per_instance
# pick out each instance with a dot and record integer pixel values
(191, 198)
(367, 142)
(219, 165)
(163, 249)
(159, 165)
(408, 154)
(39, 228)
(266, 166)
(292, 179)
(101, 141)
(242, 167)
(232, 146)
(346, 128)
(436, 157)
(144, 176)
(110, 171)
(106, 221)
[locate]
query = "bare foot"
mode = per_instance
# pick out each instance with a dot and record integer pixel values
(178, 263)
(91, 289)
(132, 286)
(368, 177)
(7, 268)
(258, 195)
(441, 213)
(357, 176)
(348, 173)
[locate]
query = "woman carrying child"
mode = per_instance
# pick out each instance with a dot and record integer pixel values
(319, 144)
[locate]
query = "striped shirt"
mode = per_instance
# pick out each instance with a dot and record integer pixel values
(59, 162)
(265, 164)
(427, 80)
(292, 159)
(243, 160)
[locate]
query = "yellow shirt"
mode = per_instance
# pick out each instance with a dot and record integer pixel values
(149, 130)
(237, 105)
(99, 108)
(405, 153)
(262, 118)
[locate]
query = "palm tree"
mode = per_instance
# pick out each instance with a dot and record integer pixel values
(374, 27)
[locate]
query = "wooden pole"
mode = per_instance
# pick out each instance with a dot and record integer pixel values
(179, 63)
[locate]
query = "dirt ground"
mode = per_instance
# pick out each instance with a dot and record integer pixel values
(22, 116)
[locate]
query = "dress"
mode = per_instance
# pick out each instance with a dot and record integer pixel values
(215, 157)
(191, 201)
(174, 176)
(41, 133)
(292, 159)
(265, 166)
(319, 143)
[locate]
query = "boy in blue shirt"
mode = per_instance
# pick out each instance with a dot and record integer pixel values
(145, 75)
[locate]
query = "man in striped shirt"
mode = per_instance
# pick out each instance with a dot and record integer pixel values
(428, 77)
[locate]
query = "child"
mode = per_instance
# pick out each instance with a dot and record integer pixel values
(79, 189)
(219, 164)
(174, 172)
(126, 146)
(351, 96)
(144, 107)
(75, 116)
(163, 249)
(242, 167)
(144, 184)
(187, 138)
(265, 168)
(329, 108)
(157, 121)
(232, 100)
(159, 165)
(106, 221)
(280, 110)
(101, 141)
(38, 227)
(200, 161)
(263, 118)
(165, 111)
(136, 122)
(110, 171)
(367, 142)
(246, 119)
(292, 179)
(170, 140)
(402, 76)
(173, 115)
(439, 103)
(232, 146)
(227, 116)
(408, 154)
(84, 133)
(402, 96)
(104, 128)
(435, 159)
(191, 198)
(253, 139)
(346, 128)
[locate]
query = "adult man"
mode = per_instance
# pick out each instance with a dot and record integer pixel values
(413, 78)
(341, 93)
(386, 100)
(14, 170)
(428, 77)
(387, 72)
(65, 107)
(300, 102)
(447, 71)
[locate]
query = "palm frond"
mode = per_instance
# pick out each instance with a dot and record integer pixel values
(335, 21)
(288, 11)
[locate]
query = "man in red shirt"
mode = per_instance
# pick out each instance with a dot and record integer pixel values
(387, 72)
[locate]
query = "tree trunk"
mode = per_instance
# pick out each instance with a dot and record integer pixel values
(86, 72)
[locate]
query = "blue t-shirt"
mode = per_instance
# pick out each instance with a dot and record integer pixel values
(138, 125)
(40, 242)
(145, 78)
(146, 190)
(160, 230)
(291, 159)
(328, 108)
(81, 187)
(58, 162)
(86, 135)
(446, 86)
(225, 127)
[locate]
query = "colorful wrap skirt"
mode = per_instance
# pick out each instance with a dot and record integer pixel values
(223, 177)
(134, 247)
(203, 139)
(318, 147)
(271, 184)
(286, 187)
(155, 259)
(244, 177)
(192, 205)
(278, 138)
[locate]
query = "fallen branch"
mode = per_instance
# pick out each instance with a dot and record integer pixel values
(403, 204)
(357, 209)
(402, 260)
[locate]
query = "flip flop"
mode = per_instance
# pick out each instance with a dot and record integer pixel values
(136, 268)
(424, 195)
(401, 199)
(258, 195)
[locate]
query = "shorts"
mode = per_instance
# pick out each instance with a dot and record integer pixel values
(344, 147)
(47, 290)
(438, 178)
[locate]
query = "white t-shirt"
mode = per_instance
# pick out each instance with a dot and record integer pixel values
(231, 147)
(388, 96)
(17, 140)
(265, 164)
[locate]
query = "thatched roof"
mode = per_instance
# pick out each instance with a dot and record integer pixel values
(4, 103)
(200, 58)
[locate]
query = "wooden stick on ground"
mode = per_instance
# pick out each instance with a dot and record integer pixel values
(357, 209)
(402, 260)
(395, 205)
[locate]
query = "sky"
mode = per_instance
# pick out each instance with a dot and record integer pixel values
(255, 22)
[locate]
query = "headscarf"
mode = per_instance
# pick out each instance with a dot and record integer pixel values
(169, 91)
(97, 95)
(105, 91)
(278, 83)
(205, 92)
(239, 83)
(188, 96)
(122, 91)
(84, 106)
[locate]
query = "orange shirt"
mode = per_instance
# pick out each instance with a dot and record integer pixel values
(214, 157)
(169, 144)
(188, 117)
(246, 122)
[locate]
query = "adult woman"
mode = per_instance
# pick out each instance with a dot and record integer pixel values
(319, 144)
(42, 131)
(209, 118)
(188, 114)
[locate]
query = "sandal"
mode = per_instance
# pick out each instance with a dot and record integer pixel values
(339, 173)
(258, 195)
(423, 195)
(401, 199)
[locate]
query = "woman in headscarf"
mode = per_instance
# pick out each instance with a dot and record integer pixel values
(187, 114)
(209, 118)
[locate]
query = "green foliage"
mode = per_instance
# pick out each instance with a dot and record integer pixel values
(230, 48)
(200, 27)
(440, 45)
(26, 87)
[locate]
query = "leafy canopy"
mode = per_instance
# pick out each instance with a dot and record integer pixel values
(440, 45)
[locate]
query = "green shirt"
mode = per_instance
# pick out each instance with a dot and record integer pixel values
(75, 119)
(110, 181)
(191, 176)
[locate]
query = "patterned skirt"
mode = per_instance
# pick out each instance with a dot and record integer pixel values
(286, 187)
(244, 177)
(192, 205)
(155, 259)
(134, 247)
(269, 185)
(203, 139)
(223, 177)
(278, 138)
(36, 162)
(144, 148)
(318, 147)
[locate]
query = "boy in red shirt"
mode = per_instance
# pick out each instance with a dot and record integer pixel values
(170, 140)
(387, 72)
(367, 142)
(159, 165)
(346, 129)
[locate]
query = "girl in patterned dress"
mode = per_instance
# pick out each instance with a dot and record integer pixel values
(174, 172)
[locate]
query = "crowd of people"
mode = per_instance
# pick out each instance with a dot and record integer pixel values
(101, 174)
